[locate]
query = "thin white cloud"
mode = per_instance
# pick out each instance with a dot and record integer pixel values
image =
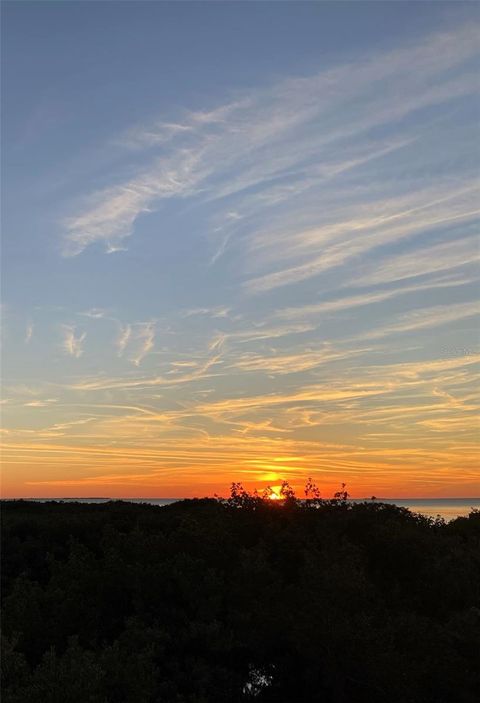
(421, 261)
(426, 318)
(277, 132)
(157, 134)
(40, 403)
(123, 338)
(29, 333)
(215, 312)
(293, 363)
(73, 344)
(258, 333)
(144, 341)
(110, 217)
(94, 313)
(363, 299)
(334, 245)
(100, 384)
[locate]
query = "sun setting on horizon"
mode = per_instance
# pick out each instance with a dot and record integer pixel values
(250, 255)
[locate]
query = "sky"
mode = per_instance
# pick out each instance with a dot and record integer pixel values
(240, 244)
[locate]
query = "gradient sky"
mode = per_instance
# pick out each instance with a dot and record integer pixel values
(240, 244)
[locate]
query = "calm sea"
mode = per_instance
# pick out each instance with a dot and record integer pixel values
(447, 508)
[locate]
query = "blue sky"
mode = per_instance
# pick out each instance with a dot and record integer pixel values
(240, 238)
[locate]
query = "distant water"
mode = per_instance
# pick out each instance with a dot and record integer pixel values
(447, 508)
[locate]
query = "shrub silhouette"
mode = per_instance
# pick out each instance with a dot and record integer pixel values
(242, 599)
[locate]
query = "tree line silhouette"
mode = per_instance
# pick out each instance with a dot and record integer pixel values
(239, 599)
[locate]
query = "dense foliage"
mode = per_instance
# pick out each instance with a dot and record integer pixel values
(239, 600)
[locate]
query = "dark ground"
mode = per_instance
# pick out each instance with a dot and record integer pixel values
(204, 601)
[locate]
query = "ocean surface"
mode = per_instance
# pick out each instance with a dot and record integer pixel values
(447, 508)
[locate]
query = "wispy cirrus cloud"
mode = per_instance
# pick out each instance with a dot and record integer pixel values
(119, 383)
(109, 217)
(215, 312)
(73, 343)
(294, 362)
(426, 318)
(364, 299)
(331, 246)
(43, 403)
(29, 333)
(123, 338)
(138, 337)
(94, 313)
(421, 261)
(144, 341)
(279, 132)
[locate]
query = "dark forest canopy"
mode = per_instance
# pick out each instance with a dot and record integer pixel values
(207, 601)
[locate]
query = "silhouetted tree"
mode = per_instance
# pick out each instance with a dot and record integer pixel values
(341, 496)
(287, 494)
(208, 601)
(312, 493)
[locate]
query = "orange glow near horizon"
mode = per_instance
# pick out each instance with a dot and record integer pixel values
(197, 469)
(395, 430)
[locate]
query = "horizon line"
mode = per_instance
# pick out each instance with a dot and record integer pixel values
(128, 498)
